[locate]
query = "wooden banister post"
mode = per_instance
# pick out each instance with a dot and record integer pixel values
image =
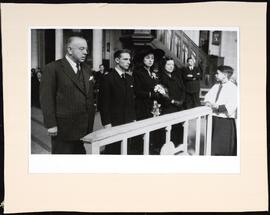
(95, 149)
(207, 148)
(146, 143)
(168, 133)
(204, 118)
(198, 136)
(143, 128)
(185, 137)
(124, 147)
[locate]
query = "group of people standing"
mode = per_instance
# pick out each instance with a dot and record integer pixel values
(66, 95)
(35, 82)
(125, 98)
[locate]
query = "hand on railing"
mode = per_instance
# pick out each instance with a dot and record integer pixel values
(108, 126)
(213, 106)
(178, 103)
(53, 131)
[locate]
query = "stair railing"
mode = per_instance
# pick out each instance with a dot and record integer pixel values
(122, 133)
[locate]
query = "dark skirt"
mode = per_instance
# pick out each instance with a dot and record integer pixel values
(224, 137)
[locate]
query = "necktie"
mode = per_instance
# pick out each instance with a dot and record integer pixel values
(123, 76)
(78, 68)
(80, 75)
(218, 92)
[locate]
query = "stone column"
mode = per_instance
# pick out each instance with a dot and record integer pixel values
(34, 49)
(59, 44)
(97, 48)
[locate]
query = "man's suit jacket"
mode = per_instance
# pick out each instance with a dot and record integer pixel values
(117, 99)
(144, 84)
(65, 101)
(192, 79)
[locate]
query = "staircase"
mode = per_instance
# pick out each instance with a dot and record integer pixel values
(175, 43)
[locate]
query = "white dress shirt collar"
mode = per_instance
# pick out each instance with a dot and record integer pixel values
(119, 71)
(72, 64)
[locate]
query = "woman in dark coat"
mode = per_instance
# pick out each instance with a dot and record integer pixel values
(145, 81)
(172, 81)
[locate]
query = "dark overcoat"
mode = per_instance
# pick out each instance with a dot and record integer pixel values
(176, 91)
(65, 101)
(192, 79)
(117, 99)
(144, 84)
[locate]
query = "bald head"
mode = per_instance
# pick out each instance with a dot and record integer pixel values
(77, 49)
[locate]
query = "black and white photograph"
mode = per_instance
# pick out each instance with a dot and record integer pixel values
(135, 108)
(134, 91)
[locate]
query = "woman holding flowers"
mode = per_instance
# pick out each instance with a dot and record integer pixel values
(148, 92)
(146, 82)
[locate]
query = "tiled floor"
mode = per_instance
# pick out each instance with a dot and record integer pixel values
(40, 141)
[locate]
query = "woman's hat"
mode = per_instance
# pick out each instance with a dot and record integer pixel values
(146, 50)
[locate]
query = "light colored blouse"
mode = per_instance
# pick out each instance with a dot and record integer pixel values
(227, 97)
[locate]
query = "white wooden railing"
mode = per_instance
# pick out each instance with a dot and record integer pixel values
(122, 133)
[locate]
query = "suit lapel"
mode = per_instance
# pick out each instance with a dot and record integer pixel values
(71, 74)
(86, 78)
(119, 81)
(150, 81)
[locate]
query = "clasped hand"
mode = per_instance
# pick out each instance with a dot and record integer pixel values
(53, 131)
(213, 106)
(178, 103)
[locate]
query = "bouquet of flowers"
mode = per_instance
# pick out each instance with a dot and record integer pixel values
(160, 89)
(156, 111)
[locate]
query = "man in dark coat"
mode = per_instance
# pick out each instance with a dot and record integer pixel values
(66, 96)
(117, 97)
(99, 75)
(192, 76)
(35, 82)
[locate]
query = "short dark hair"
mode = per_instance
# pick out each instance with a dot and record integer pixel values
(164, 61)
(226, 69)
(118, 53)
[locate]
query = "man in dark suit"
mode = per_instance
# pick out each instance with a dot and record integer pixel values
(98, 75)
(192, 76)
(66, 96)
(117, 97)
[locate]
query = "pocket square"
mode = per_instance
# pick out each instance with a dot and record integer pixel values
(91, 78)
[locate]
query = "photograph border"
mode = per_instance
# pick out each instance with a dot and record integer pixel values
(246, 187)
